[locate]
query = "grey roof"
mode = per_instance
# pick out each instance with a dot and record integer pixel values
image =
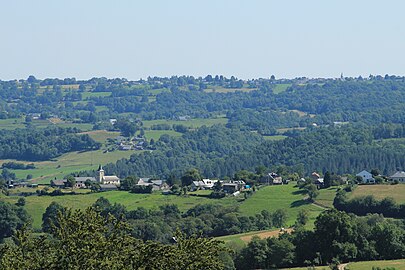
(398, 175)
(230, 184)
(58, 182)
(157, 182)
(84, 178)
(108, 186)
(110, 178)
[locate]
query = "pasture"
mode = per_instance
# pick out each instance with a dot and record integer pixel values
(286, 197)
(36, 205)
(279, 88)
(367, 265)
(192, 123)
(397, 192)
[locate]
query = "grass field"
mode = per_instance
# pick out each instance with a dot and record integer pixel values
(36, 205)
(101, 135)
(368, 265)
(192, 123)
(238, 241)
(228, 90)
(14, 123)
(381, 191)
(275, 137)
(69, 163)
(397, 264)
(155, 134)
(279, 88)
(326, 197)
(86, 95)
(271, 198)
(286, 197)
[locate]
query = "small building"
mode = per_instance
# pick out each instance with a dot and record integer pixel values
(125, 147)
(156, 184)
(275, 179)
(58, 183)
(366, 177)
(400, 176)
(208, 183)
(230, 187)
(196, 185)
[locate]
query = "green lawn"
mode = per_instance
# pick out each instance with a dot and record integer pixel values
(286, 197)
(381, 191)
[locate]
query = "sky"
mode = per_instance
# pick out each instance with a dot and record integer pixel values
(247, 39)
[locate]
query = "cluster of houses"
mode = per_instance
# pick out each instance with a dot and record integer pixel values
(137, 143)
(228, 187)
(367, 177)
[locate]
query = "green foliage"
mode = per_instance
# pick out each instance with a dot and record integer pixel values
(190, 176)
(87, 240)
(11, 218)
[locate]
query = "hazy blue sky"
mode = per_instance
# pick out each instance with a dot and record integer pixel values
(248, 39)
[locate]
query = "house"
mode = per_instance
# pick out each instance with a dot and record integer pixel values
(208, 183)
(275, 179)
(81, 181)
(125, 147)
(195, 185)
(230, 187)
(319, 182)
(58, 183)
(400, 176)
(156, 184)
(113, 121)
(366, 177)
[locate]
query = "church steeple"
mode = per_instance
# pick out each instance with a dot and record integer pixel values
(100, 175)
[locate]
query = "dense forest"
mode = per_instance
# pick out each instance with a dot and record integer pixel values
(220, 151)
(39, 144)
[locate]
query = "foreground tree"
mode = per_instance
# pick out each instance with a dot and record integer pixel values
(87, 240)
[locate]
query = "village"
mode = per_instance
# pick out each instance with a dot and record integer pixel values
(231, 187)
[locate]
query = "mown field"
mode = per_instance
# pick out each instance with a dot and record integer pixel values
(397, 192)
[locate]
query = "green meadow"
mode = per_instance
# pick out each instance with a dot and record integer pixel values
(192, 123)
(286, 197)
